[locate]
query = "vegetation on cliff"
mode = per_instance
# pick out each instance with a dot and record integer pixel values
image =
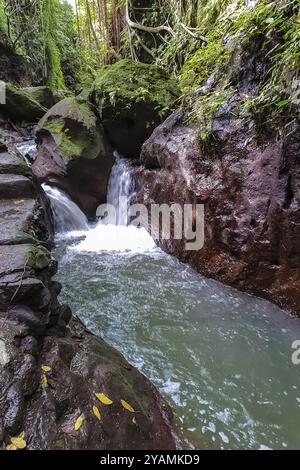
(203, 44)
(269, 32)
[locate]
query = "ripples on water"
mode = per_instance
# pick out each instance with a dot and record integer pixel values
(221, 358)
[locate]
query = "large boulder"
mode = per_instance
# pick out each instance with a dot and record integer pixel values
(20, 106)
(73, 153)
(250, 194)
(132, 99)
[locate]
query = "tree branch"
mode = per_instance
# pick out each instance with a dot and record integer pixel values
(148, 29)
(193, 34)
(144, 46)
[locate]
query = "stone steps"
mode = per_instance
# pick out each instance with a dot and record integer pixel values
(19, 282)
(15, 216)
(15, 187)
(10, 163)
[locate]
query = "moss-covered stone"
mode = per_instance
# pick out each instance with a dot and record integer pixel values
(73, 126)
(20, 106)
(39, 258)
(73, 153)
(132, 99)
(44, 95)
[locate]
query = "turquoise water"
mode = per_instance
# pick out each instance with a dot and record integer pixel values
(221, 358)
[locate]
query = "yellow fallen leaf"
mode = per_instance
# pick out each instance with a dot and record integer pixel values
(44, 381)
(127, 406)
(46, 368)
(11, 447)
(103, 398)
(96, 412)
(134, 420)
(19, 441)
(78, 423)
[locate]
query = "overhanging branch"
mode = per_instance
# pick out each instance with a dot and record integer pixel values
(148, 29)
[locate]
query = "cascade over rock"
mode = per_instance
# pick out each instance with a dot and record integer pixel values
(73, 153)
(132, 99)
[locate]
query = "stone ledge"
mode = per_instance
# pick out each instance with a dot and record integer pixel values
(15, 215)
(15, 187)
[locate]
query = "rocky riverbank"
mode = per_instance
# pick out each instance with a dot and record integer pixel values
(61, 387)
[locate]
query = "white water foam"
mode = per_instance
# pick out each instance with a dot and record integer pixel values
(70, 222)
(117, 238)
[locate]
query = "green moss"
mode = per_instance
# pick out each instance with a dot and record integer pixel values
(39, 258)
(55, 78)
(21, 106)
(3, 22)
(127, 82)
(73, 126)
(44, 95)
(280, 90)
(213, 56)
(206, 106)
(71, 144)
(132, 99)
(275, 27)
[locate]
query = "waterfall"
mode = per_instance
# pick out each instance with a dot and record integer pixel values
(28, 151)
(67, 215)
(120, 185)
(109, 236)
(118, 236)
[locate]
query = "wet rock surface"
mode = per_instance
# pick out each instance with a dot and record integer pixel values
(15, 218)
(15, 186)
(250, 193)
(51, 366)
(11, 164)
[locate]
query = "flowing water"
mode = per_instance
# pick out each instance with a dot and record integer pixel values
(221, 358)
(67, 215)
(28, 151)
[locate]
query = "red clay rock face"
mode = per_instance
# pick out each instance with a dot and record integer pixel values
(251, 197)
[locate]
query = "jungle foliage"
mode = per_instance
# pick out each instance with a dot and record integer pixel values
(201, 42)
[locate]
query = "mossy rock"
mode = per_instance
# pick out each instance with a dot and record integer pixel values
(20, 106)
(39, 258)
(73, 153)
(132, 99)
(73, 126)
(44, 95)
